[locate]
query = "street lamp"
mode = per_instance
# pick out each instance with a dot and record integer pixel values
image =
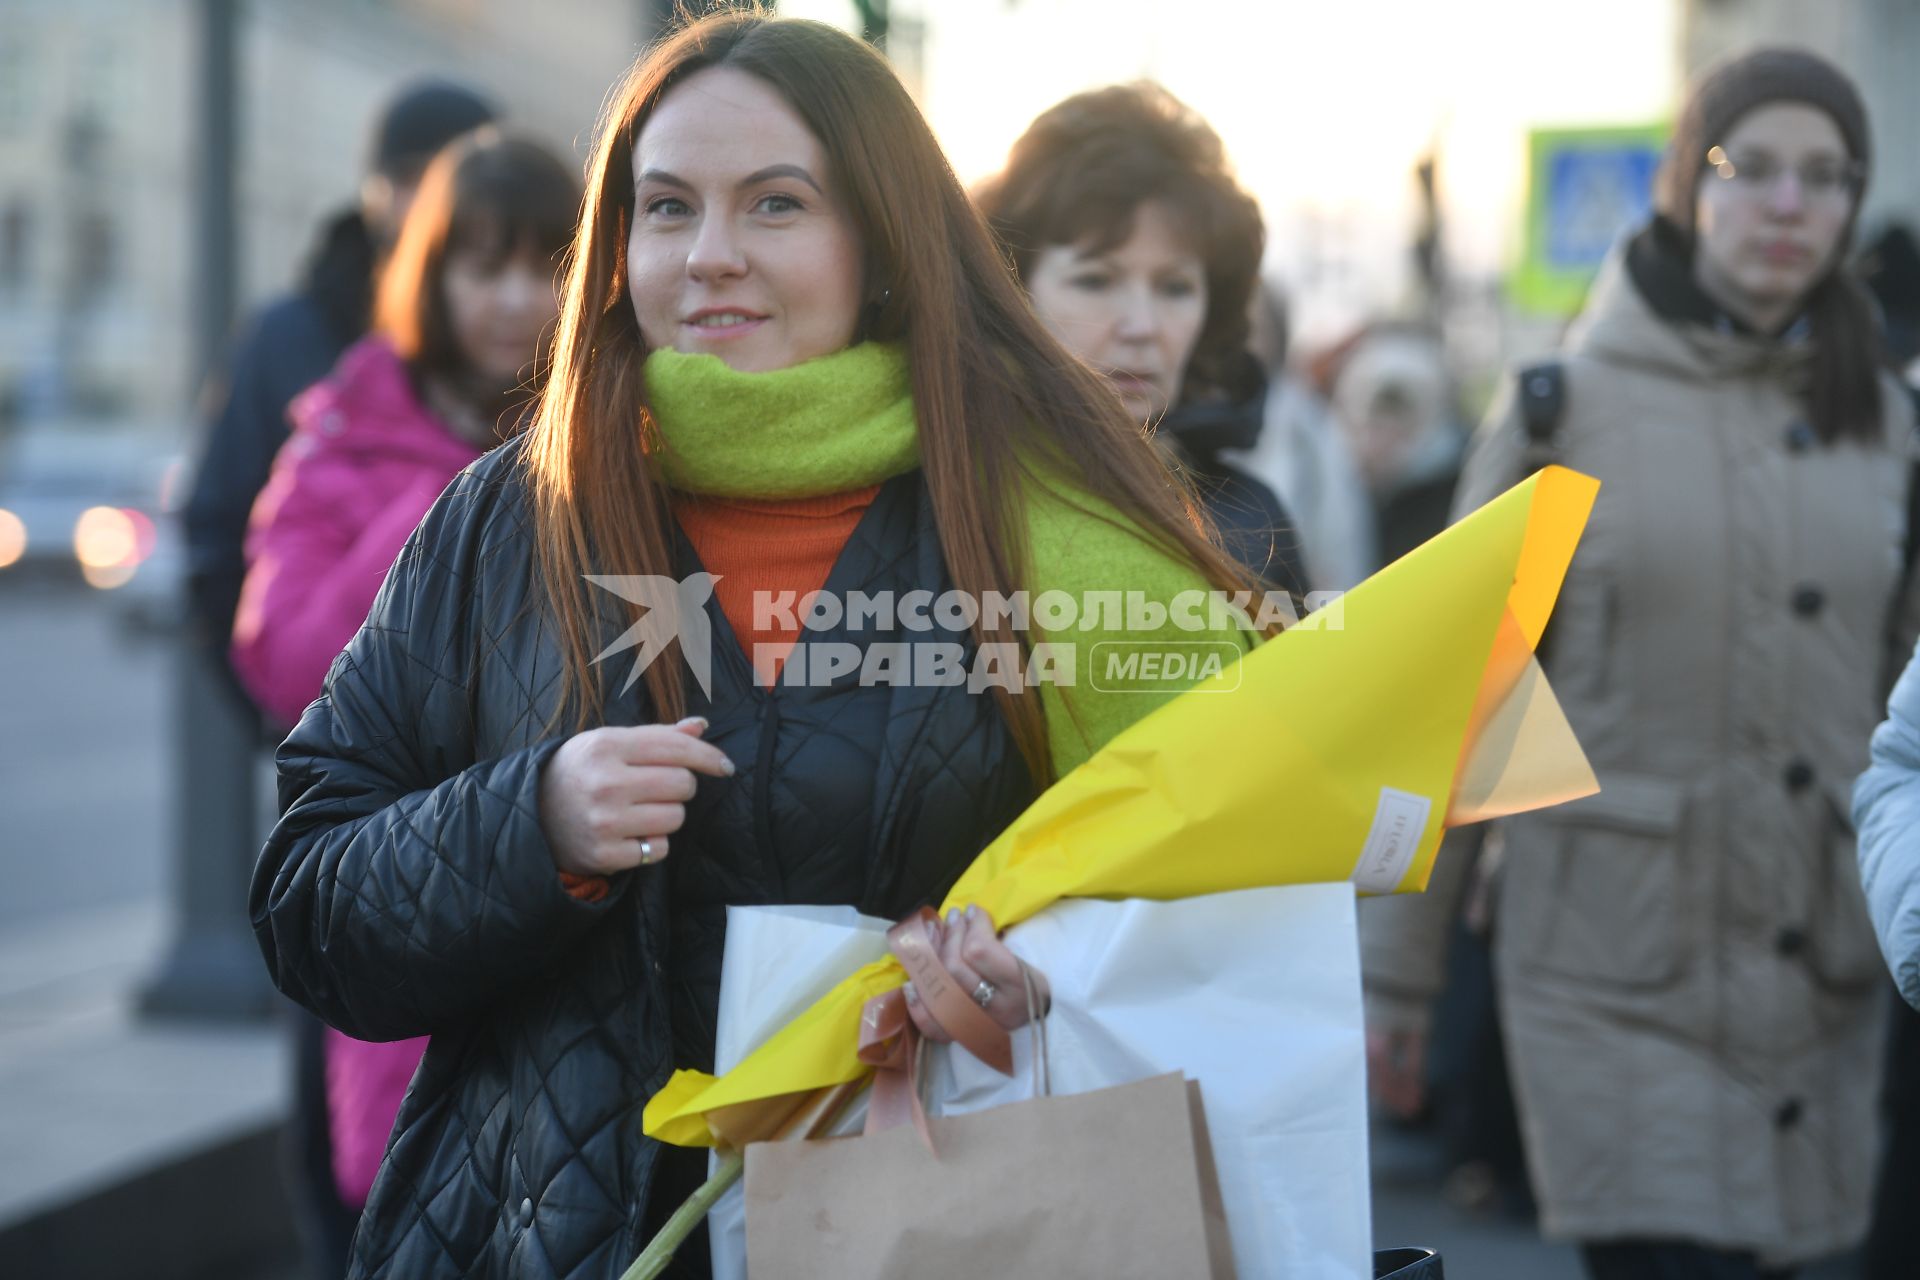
(212, 968)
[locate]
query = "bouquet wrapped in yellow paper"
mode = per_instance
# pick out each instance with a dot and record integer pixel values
(1339, 750)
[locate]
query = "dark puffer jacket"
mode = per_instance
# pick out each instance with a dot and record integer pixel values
(1254, 524)
(409, 889)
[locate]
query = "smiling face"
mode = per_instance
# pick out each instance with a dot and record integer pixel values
(740, 247)
(1772, 228)
(1134, 311)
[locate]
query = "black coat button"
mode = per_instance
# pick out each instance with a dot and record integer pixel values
(1788, 1114)
(526, 1213)
(1798, 775)
(1801, 437)
(1808, 600)
(1790, 942)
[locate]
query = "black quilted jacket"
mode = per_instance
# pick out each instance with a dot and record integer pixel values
(409, 890)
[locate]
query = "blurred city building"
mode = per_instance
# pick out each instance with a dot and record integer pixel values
(97, 163)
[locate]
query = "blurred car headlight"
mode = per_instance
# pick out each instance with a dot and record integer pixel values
(110, 543)
(13, 538)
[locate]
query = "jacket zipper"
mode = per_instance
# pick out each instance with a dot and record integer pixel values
(763, 795)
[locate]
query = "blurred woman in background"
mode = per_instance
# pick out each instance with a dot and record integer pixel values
(462, 321)
(1688, 978)
(1141, 254)
(1392, 395)
(1302, 453)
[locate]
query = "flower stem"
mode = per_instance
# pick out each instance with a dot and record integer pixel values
(653, 1260)
(812, 1117)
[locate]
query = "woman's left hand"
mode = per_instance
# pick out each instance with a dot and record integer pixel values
(971, 950)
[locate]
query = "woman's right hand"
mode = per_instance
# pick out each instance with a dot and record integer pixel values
(607, 790)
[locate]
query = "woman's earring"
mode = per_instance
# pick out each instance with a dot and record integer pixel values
(870, 315)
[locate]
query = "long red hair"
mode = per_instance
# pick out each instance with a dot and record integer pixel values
(993, 393)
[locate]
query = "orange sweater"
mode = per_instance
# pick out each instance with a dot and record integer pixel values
(755, 546)
(770, 546)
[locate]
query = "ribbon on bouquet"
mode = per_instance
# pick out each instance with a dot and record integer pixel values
(890, 1043)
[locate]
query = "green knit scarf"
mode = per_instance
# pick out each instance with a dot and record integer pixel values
(845, 421)
(840, 422)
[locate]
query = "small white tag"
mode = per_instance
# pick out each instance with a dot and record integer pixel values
(1398, 824)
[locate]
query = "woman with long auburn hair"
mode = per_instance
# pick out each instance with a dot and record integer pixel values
(748, 589)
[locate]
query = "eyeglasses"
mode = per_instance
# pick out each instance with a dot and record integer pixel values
(1758, 174)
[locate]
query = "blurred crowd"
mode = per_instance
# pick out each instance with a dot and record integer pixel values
(1658, 1021)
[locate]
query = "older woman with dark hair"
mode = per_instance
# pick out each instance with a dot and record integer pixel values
(1141, 255)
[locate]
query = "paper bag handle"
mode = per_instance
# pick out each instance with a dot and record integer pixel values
(1037, 1019)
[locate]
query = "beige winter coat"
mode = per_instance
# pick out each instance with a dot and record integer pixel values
(1689, 983)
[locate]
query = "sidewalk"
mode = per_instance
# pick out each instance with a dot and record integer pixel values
(151, 1147)
(1409, 1208)
(132, 1145)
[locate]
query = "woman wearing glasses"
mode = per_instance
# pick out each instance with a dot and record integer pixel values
(1689, 983)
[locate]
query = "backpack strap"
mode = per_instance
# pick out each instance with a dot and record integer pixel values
(1543, 403)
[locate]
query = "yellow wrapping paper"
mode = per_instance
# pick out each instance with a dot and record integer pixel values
(1312, 756)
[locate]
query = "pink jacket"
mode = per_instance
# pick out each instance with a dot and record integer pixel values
(364, 463)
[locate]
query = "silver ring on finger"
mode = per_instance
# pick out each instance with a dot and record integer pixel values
(646, 851)
(984, 993)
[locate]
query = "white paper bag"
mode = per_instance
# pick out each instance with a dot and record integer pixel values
(779, 960)
(1255, 994)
